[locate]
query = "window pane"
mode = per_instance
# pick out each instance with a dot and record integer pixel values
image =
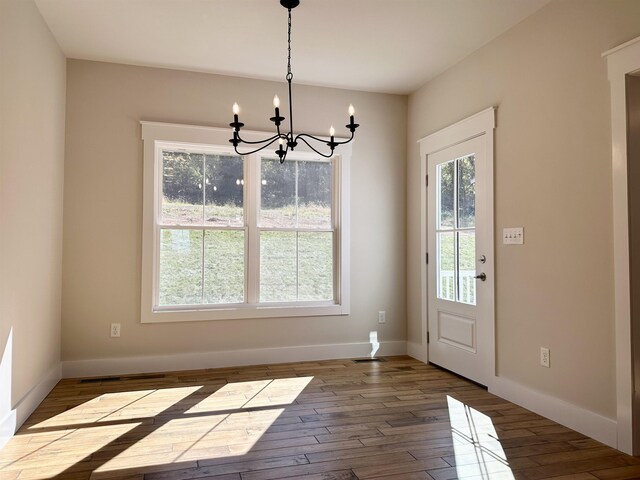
(223, 266)
(445, 194)
(314, 194)
(224, 188)
(278, 265)
(446, 265)
(180, 267)
(467, 267)
(466, 191)
(315, 266)
(278, 197)
(182, 196)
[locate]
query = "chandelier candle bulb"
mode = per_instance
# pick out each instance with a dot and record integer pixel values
(276, 101)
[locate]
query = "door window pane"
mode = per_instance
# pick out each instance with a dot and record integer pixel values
(315, 266)
(223, 266)
(466, 191)
(182, 195)
(446, 265)
(467, 267)
(278, 266)
(445, 194)
(180, 267)
(455, 218)
(278, 194)
(224, 189)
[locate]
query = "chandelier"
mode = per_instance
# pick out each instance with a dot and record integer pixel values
(288, 141)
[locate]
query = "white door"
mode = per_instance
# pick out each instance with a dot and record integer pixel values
(460, 270)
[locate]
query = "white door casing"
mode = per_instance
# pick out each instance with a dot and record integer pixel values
(460, 320)
(622, 61)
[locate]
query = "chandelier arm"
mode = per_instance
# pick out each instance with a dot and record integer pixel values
(314, 149)
(284, 156)
(346, 141)
(317, 139)
(324, 140)
(266, 140)
(254, 151)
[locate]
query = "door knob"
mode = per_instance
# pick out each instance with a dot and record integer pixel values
(482, 276)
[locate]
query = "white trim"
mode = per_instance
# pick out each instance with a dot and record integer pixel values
(572, 416)
(28, 403)
(8, 427)
(621, 47)
(417, 351)
(481, 123)
(477, 124)
(155, 135)
(226, 358)
(622, 61)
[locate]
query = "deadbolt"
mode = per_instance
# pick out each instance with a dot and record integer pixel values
(482, 259)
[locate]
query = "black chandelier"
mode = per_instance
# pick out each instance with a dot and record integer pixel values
(289, 138)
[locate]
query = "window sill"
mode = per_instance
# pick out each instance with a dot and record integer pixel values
(233, 312)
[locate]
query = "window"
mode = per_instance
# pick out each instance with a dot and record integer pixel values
(228, 236)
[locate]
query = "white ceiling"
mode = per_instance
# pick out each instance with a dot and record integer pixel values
(392, 46)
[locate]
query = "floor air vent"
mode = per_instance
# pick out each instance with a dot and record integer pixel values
(369, 360)
(118, 379)
(100, 379)
(146, 377)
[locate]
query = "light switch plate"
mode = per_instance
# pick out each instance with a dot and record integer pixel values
(513, 236)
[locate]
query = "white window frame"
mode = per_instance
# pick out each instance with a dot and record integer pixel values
(158, 136)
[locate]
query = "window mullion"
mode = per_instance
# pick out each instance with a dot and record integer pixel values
(204, 201)
(252, 189)
(336, 225)
(456, 252)
(297, 234)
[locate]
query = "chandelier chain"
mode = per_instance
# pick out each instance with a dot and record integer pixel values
(289, 74)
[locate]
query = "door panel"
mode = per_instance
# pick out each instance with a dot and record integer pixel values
(459, 315)
(456, 330)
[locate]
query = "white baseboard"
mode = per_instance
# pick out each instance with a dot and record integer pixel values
(8, 427)
(577, 418)
(228, 358)
(417, 351)
(28, 403)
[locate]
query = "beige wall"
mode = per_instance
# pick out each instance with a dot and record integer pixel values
(103, 208)
(32, 118)
(553, 177)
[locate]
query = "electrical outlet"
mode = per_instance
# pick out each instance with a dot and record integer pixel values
(115, 329)
(382, 317)
(545, 360)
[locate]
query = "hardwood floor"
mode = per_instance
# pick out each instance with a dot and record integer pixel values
(339, 420)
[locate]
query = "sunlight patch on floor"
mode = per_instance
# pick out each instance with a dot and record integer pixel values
(157, 402)
(253, 394)
(118, 406)
(477, 449)
(62, 453)
(171, 428)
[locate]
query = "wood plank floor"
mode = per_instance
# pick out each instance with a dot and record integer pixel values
(400, 419)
